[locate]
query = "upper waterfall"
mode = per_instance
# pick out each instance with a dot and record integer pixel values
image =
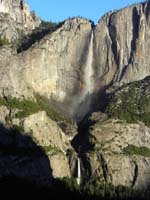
(82, 102)
(88, 70)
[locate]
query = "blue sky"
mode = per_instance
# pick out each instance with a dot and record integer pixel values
(58, 10)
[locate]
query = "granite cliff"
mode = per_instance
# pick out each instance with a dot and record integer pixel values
(51, 87)
(16, 19)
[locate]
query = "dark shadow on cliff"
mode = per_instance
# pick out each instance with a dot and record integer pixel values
(20, 156)
(146, 7)
(25, 171)
(23, 188)
(23, 175)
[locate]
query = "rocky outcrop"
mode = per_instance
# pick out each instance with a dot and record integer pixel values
(50, 136)
(48, 142)
(122, 45)
(16, 19)
(117, 156)
(131, 102)
(60, 166)
(118, 140)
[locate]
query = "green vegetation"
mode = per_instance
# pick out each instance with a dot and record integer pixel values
(134, 150)
(51, 110)
(3, 41)
(25, 107)
(26, 41)
(2, 101)
(70, 153)
(97, 190)
(108, 191)
(22, 188)
(131, 102)
(51, 150)
(70, 184)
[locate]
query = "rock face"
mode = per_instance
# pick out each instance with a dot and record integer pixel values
(122, 45)
(114, 157)
(132, 102)
(15, 17)
(47, 147)
(68, 68)
(52, 68)
(118, 147)
(56, 66)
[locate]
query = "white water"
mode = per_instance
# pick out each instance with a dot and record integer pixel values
(79, 173)
(81, 103)
(88, 71)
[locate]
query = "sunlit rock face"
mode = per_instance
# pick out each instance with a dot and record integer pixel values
(16, 18)
(122, 45)
(54, 67)
(77, 60)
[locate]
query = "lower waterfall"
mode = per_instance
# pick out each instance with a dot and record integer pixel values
(79, 172)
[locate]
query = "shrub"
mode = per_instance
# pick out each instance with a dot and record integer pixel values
(134, 150)
(26, 107)
(51, 110)
(26, 41)
(3, 41)
(70, 153)
(52, 150)
(131, 102)
(97, 190)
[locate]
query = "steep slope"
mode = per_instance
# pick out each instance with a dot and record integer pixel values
(116, 146)
(119, 154)
(56, 66)
(52, 68)
(122, 45)
(71, 70)
(16, 19)
(132, 102)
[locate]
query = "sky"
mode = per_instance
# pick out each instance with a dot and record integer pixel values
(59, 10)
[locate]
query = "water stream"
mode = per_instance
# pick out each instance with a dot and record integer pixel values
(79, 172)
(88, 70)
(81, 103)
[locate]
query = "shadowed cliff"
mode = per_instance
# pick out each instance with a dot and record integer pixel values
(20, 156)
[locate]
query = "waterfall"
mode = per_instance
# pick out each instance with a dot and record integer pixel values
(88, 71)
(82, 103)
(86, 96)
(79, 172)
